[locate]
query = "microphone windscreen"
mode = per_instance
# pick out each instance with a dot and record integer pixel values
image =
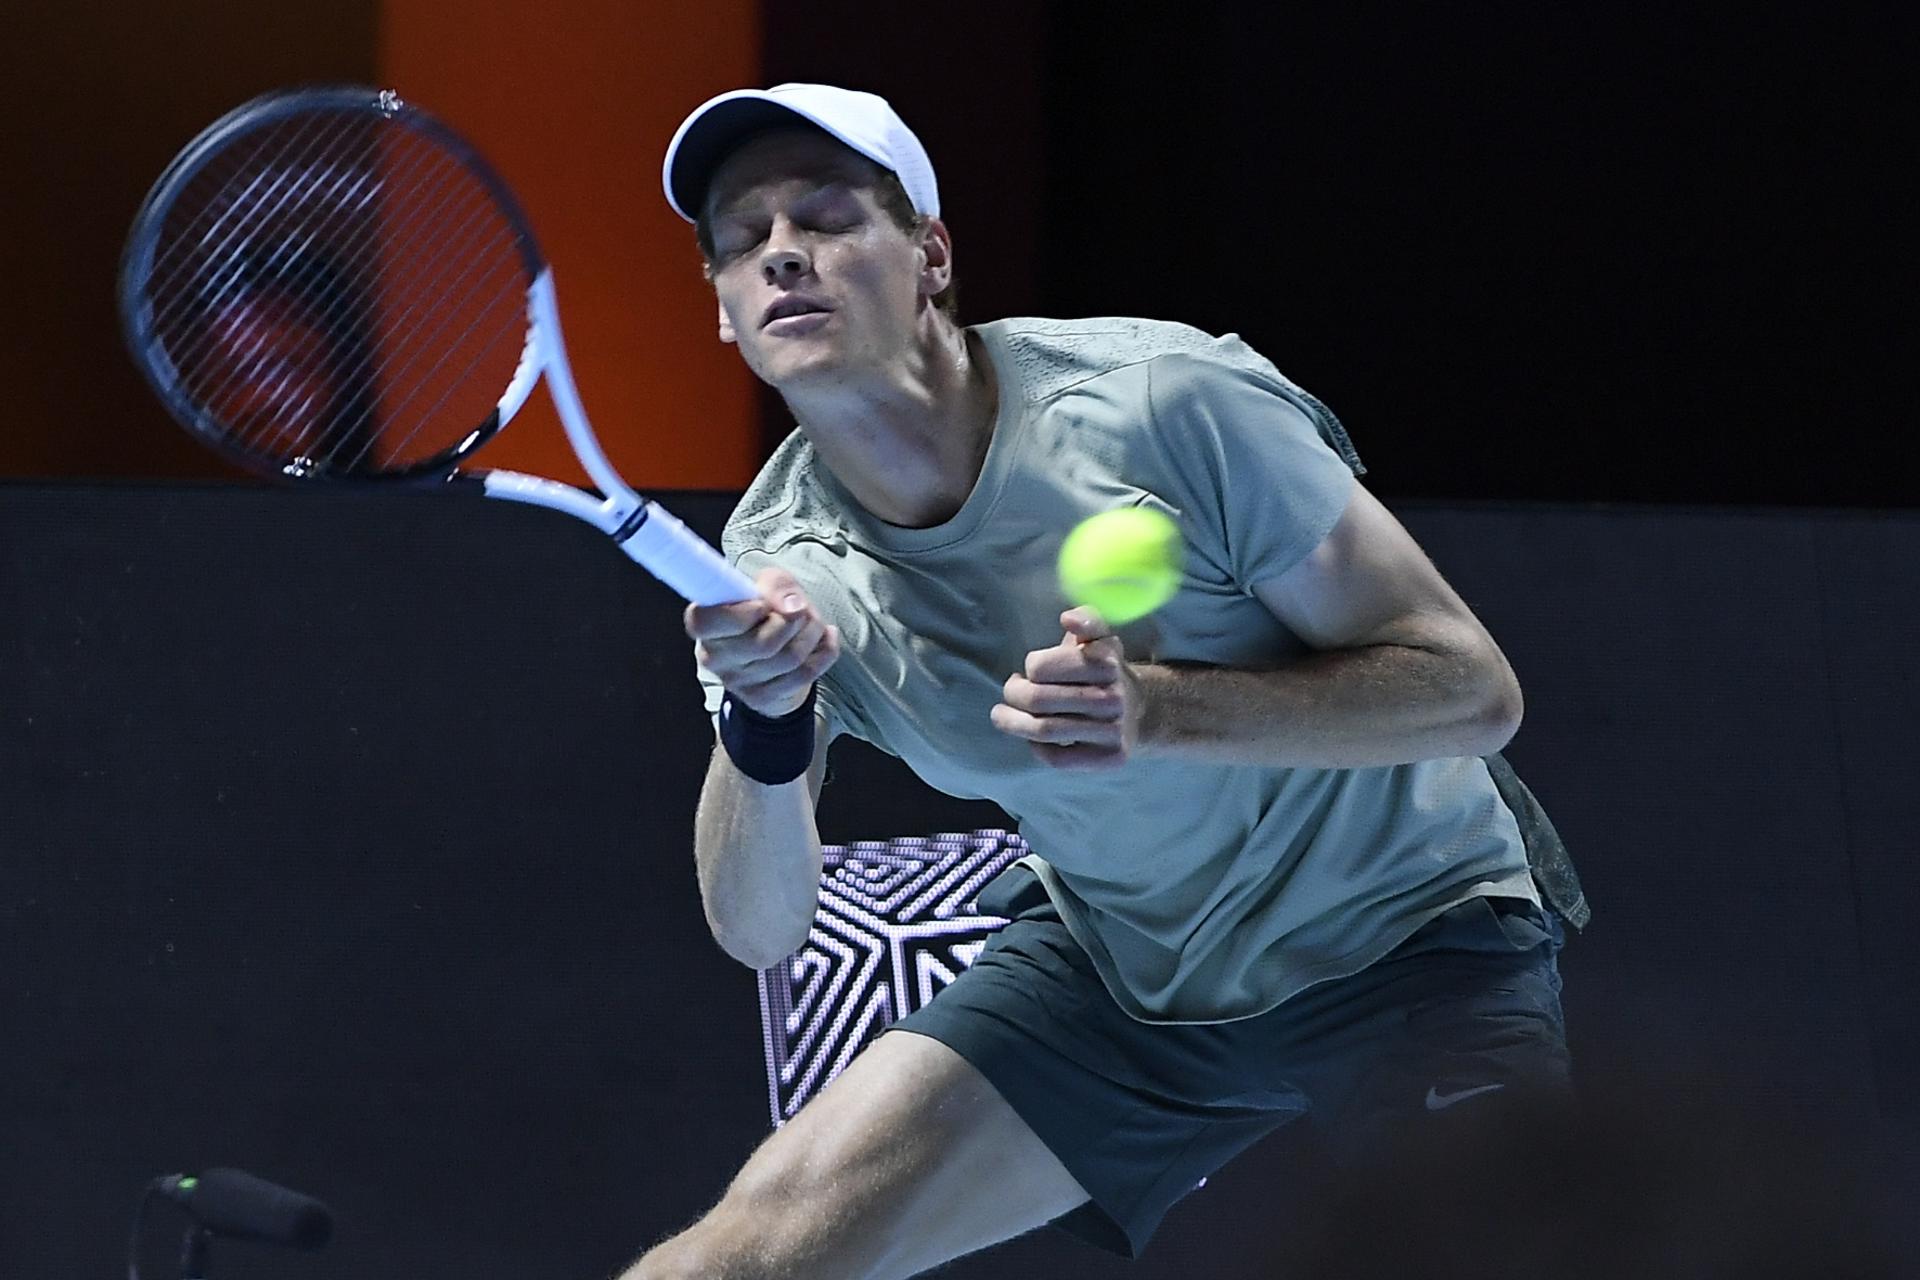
(232, 1202)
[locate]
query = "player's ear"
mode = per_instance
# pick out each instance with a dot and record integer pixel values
(936, 250)
(726, 326)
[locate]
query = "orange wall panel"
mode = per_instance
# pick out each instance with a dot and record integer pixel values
(573, 102)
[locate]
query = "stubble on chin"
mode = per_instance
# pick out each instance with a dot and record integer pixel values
(796, 370)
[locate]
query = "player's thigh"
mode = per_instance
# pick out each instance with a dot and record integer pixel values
(907, 1159)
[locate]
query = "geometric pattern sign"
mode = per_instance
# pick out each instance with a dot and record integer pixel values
(898, 920)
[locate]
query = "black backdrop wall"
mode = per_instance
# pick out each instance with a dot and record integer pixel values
(1622, 253)
(347, 840)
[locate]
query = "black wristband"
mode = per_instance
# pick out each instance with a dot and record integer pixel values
(769, 749)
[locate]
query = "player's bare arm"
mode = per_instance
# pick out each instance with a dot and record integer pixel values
(1402, 671)
(756, 848)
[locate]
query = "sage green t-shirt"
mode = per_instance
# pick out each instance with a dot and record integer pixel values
(1202, 892)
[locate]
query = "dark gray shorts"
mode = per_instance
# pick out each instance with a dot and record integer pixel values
(1464, 1014)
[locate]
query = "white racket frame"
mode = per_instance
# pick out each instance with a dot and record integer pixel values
(651, 535)
(646, 531)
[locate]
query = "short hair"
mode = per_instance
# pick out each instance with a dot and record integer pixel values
(893, 201)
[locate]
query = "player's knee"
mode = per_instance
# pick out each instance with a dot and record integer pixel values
(694, 1254)
(742, 1238)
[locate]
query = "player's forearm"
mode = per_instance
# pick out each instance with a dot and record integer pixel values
(1341, 709)
(757, 853)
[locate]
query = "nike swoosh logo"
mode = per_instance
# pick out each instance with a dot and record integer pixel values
(1438, 1101)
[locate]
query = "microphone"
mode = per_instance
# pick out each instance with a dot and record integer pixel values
(234, 1203)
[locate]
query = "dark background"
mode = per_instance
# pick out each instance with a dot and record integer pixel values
(1635, 253)
(347, 840)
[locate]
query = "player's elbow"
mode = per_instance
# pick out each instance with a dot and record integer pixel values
(760, 943)
(756, 951)
(1500, 721)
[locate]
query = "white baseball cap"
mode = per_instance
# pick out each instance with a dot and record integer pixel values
(862, 121)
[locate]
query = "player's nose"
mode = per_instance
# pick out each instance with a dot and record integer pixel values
(785, 262)
(785, 256)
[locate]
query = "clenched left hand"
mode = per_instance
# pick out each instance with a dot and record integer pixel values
(1079, 703)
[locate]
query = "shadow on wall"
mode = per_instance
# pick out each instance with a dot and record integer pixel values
(1654, 1180)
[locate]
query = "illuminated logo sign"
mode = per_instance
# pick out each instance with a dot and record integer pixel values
(897, 921)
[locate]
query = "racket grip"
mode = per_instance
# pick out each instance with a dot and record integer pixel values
(684, 560)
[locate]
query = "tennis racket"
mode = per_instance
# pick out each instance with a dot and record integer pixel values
(330, 285)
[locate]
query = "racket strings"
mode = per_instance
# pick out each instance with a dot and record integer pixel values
(285, 256)
(249, 207)
(398, 448)
(261, 247)
(444, 309)
(256, 348)
(363, 284)
(390, 275)
(453, 246)
(386, 371)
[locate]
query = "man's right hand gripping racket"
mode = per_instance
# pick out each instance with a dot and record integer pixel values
(331, 285)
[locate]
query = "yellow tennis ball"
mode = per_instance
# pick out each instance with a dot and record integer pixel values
(1124, 563)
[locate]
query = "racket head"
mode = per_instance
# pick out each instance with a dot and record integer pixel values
(331, 284)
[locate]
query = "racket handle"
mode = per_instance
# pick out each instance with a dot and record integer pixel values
(682, 559)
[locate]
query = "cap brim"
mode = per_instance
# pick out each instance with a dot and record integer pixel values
(706, 141)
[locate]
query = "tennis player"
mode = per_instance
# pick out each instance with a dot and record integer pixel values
(1279, 872)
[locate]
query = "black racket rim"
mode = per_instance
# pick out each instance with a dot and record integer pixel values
(136, 266)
